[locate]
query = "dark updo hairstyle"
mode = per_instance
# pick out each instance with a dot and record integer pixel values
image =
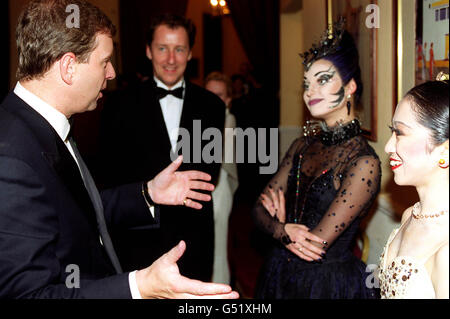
(430, 104)
(346, 61)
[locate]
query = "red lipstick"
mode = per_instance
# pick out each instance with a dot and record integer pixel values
(314, 102)
(393, 164)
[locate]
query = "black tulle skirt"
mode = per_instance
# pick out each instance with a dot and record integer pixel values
(342, 276)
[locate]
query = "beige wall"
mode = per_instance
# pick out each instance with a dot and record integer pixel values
(407, 48)
(297, 31)
(385, 85)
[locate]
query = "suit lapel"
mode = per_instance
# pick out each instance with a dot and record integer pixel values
(68, 171)
(187, 115)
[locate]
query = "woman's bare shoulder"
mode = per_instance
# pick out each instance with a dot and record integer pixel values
(406, 214)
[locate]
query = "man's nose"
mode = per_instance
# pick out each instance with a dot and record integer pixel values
(110, 72)
(171, 57)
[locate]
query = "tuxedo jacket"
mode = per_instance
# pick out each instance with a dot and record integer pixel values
(48, 227)
(135, 145)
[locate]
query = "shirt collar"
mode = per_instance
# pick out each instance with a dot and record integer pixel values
(57, 120)
(160, 84)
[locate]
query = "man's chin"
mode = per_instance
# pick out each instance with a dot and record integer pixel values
(92, 107)
(170, 81)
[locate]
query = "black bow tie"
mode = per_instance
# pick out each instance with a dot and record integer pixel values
(162, 93)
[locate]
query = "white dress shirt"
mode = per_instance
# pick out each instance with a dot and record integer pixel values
(61, 125)
(171, 108)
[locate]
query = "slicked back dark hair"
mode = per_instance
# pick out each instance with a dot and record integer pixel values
(430, 104)
(172, 21)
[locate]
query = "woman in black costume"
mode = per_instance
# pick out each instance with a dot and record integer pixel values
(324, 187)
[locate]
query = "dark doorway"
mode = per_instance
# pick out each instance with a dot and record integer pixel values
(212, 48)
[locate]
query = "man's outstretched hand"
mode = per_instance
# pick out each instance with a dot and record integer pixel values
(178, 188)
(162, 280)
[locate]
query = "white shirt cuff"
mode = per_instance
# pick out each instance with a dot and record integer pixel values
(135, 294)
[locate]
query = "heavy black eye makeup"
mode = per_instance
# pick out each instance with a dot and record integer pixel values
(323, 77)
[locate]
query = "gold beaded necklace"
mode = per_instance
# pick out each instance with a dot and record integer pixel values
(417, 215)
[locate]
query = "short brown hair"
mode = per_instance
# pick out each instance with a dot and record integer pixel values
(172, 21)
(220, 77)
(43, 37)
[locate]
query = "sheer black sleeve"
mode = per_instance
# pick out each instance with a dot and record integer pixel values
(263, 219)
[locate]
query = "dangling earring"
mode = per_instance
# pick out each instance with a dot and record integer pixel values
(349, 104)
(443, 163)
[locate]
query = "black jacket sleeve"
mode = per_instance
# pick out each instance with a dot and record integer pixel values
(30, 264)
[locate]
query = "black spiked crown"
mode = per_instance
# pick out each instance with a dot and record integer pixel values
(329, 43)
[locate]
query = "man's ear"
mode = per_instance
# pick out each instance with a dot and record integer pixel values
(148, 52)
(67, 67)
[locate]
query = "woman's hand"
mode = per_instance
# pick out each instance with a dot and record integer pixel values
(304, 243)
(275, 205)
(302, 240)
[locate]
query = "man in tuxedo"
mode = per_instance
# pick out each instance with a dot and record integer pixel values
(54, 239)
(139, 131)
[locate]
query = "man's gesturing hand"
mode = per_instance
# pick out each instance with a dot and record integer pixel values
(177, 188)
(162, 280)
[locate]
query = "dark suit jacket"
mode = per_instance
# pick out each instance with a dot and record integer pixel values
(47, 220)
(135, 145)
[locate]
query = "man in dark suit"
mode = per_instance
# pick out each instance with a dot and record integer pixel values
(139, 131)
(54, 240)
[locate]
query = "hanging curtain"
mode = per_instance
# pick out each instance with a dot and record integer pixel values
(257, 24)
